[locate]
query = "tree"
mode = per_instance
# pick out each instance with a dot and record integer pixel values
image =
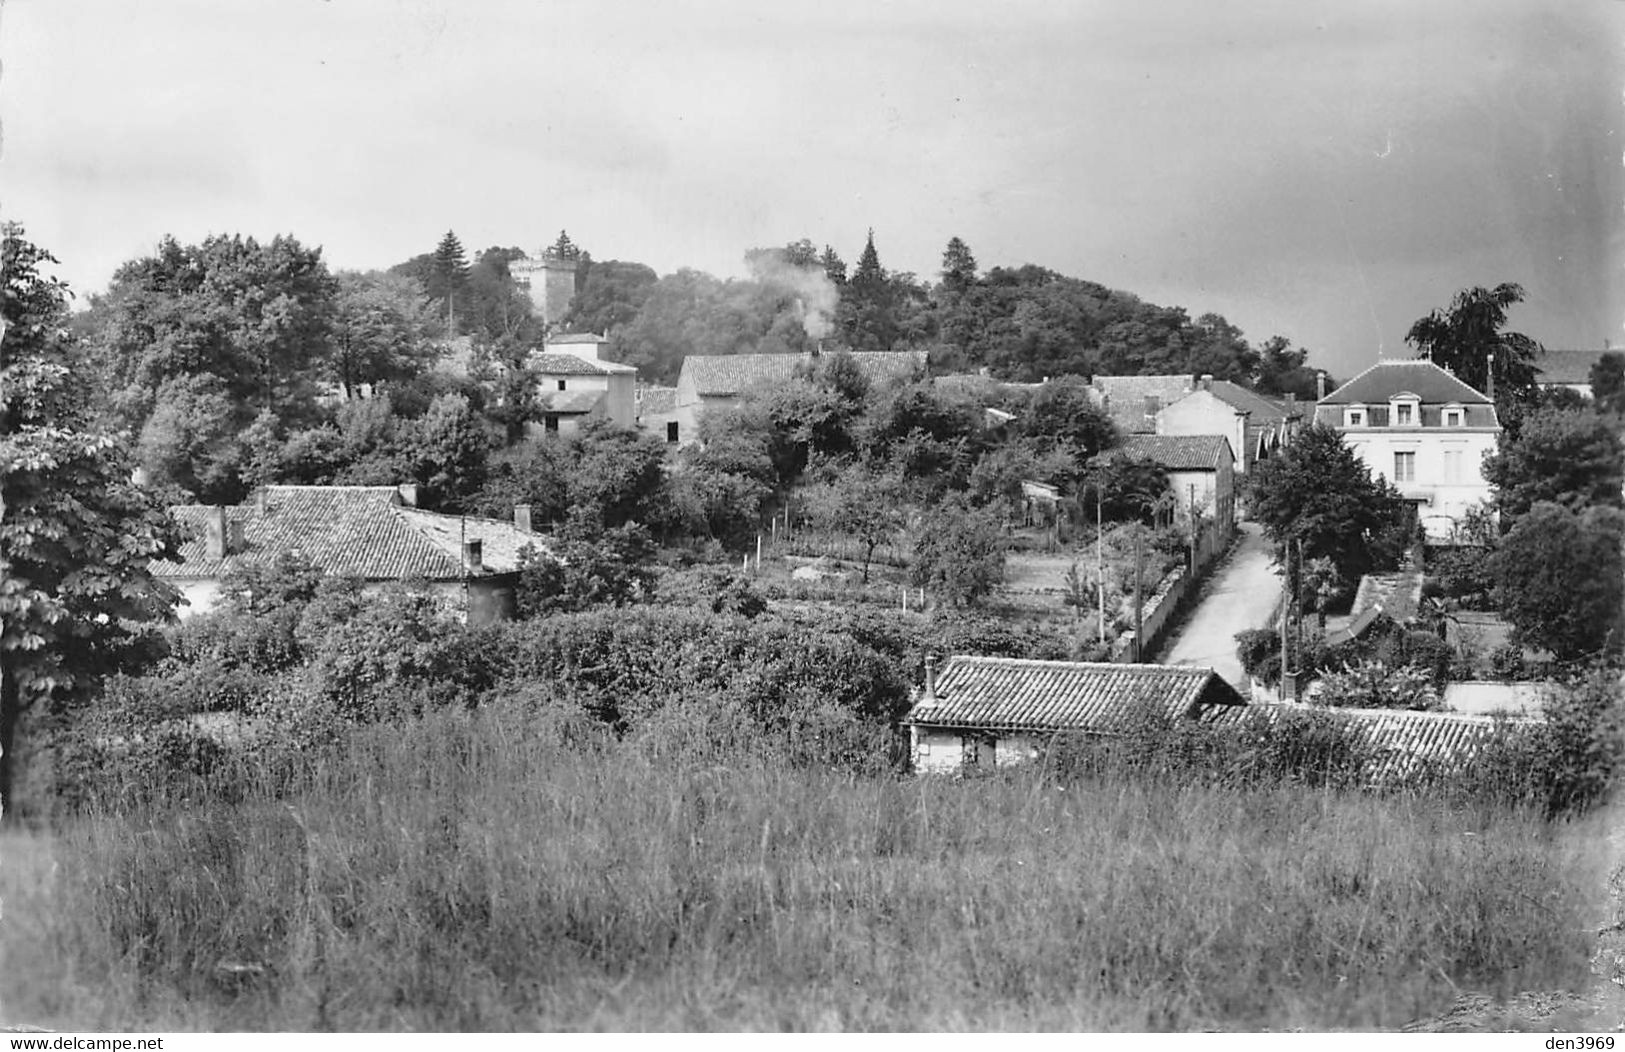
(448, 277)
(1466, 338)
(1607, 379)
(1560, 580)
(382, 330)
(1063, 416)
(1124, 489)
(1319, 492)
(959, 554)
(1569, 457)
(1284, 369)
(611, 298)
(868, 309)
(618, 475)
(190, 446)
(76, 536)
(590, 565)
(446, 451)
(861, 503)
(958, 266)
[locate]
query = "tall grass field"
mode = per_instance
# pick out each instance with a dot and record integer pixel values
(476, 870)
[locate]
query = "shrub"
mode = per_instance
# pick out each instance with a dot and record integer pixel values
(1374, 685)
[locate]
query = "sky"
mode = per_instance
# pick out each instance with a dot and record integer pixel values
(1329, 172)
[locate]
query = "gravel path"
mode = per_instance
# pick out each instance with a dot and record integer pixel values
(1240, 593)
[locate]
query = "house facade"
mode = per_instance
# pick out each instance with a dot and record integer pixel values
(375, 533)
(981, 713)
(1201, 476)
(718, 382)
(1422, 429)
(656, 409)
(1256, 426)
(1133, 402)
(1568, 369)
(575, 383)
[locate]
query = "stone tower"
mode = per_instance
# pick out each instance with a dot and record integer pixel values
(550, 277)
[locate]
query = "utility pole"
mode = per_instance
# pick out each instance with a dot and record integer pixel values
(1139, 573)
(1286, 610)
(1100, 566)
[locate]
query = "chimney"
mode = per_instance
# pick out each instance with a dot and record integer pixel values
(408, 492)
(1320, 385)
(1207, 381)
(521, 518)
(472, 562)
(930, 694)
(262, 501)
(1153, 405)
(214, 534)
(234, 536)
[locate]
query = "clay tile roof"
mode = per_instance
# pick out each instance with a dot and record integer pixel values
(1178, 452)
(562, 364)
(993, 693)
(728, 374)
(568, 401)
(657, 399)
(1259, 408)
(1403, 744)
(360, 531)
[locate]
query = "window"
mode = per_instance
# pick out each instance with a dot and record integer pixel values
(1405, 466)
(1404, 414)
(1452, 417)
(925, 748)
(1452, 466)
(1354, 417)
(671, 431)
(551, 423)
(561, 385)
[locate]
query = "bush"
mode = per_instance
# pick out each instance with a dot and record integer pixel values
(1373, 685)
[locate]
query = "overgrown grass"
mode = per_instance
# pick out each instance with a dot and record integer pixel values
(475, 870)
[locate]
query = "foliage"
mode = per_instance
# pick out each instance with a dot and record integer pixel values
(862, 503)
(383, 330)
(1319, 492)
(76, 536)
(1062, 416)
(959, 554)
(1569, 457)
(1560, 580)
(1126, 489)
(1607, 380)
(612, 296)
(588, 564)
(1373, 685)
(1466, 338)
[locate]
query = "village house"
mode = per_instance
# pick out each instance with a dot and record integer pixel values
(711, 382)
(1255, 425)
(376, 533)
(1133, 402)
(1423, 430)
(657, 411)
(980, 713)
(1568, 369)
(576, 383)
(1201, 477)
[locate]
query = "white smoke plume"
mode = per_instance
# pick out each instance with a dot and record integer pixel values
(816, 295)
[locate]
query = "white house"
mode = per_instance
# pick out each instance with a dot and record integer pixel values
(1201, 475)
(1255, 425)
(1423, 430)
(986, 712)
(575, 383)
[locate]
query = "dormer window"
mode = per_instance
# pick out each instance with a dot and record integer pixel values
(1454, 416)
(1354, 416)
(1404, 410)
(1403, 414)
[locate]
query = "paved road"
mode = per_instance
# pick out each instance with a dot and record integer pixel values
(1240, 593)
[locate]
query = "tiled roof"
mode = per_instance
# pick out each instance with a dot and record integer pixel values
(1124, 398)
(1259, 408)
(1404, 744)
(1399, 595)
(729, 374)
(1568, 367)
(995, 693)
(654, 400)
(1178, 452)
(1418, 376)
(565, 364)
(358, 531)
(569, 401)
(578, 337)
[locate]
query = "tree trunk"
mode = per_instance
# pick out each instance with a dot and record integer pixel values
(10, 709)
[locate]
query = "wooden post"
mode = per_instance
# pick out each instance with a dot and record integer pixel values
(1139, 610)
(1100, 566)
(1286, 611)
(758, 551)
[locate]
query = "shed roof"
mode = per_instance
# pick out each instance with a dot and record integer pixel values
(1260, 410)
(364, 531)
(729, 374)
(995, 693)
(1179, 452)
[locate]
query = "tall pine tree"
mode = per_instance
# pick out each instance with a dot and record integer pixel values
(448, 278)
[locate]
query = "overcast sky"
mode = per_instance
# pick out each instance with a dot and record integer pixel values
(1326, 171)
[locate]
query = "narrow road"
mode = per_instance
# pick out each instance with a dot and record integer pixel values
(1240, 593)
